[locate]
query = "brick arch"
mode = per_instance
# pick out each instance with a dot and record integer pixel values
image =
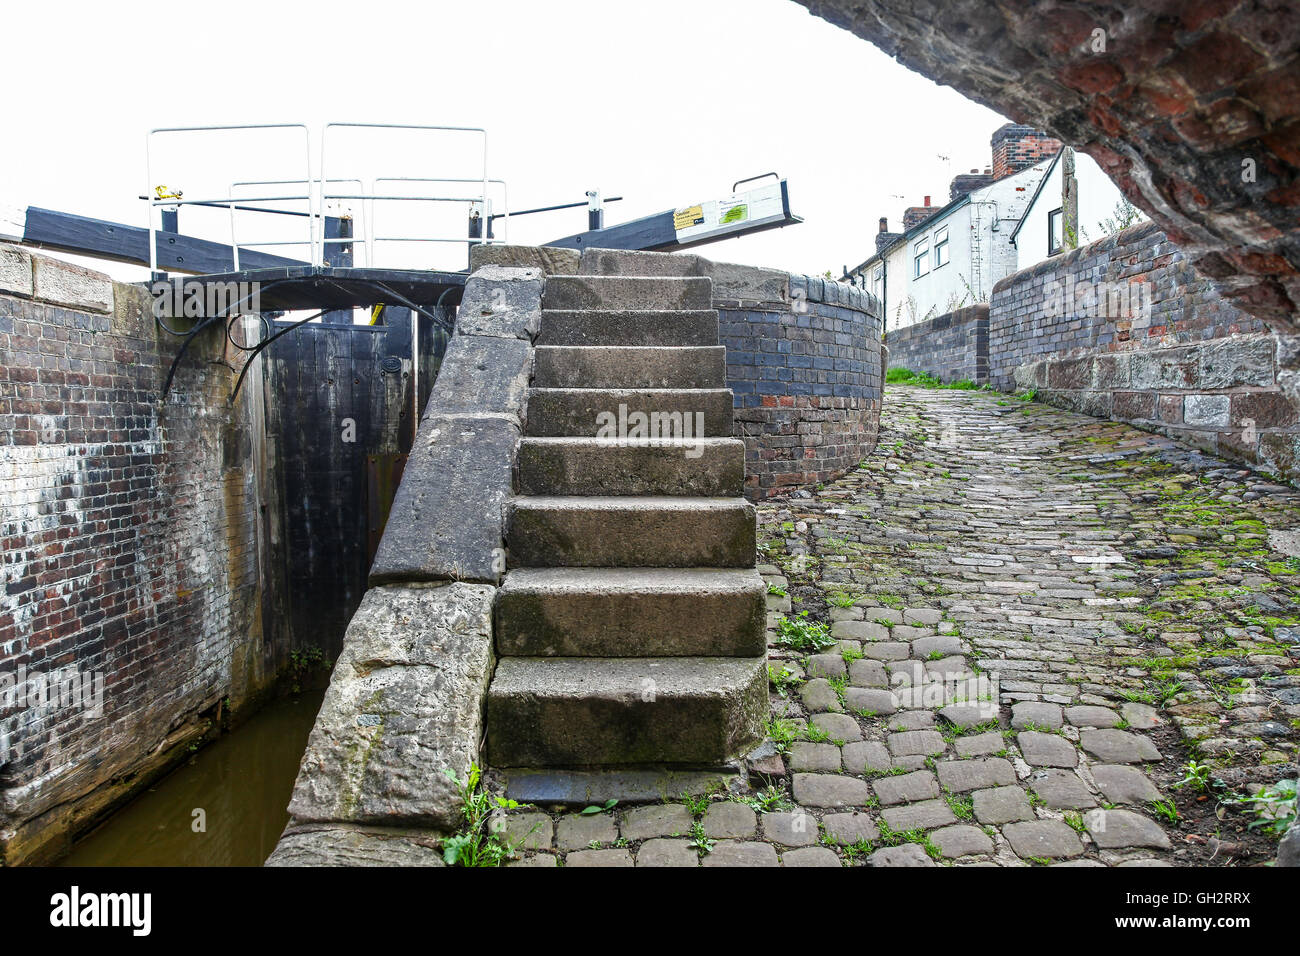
(1183, 95)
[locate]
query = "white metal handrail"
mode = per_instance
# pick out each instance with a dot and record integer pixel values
(317, 194)
(324, 240)
(485, 204)
(156, 201)
(483, 199)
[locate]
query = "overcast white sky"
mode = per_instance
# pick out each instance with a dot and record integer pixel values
(665, 103)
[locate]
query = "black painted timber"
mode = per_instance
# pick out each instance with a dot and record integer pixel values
(331, 287)
(318, 377)
(82, 235)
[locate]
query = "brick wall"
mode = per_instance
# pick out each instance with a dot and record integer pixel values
(1017, 147)
(803, 360)
(951, 347)
(132, 540)
(1125, 328)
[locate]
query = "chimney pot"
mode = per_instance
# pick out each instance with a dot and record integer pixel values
(884, 224)
(927, 200)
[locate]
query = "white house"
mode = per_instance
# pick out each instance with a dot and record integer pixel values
(1075, 204)
(954, 255)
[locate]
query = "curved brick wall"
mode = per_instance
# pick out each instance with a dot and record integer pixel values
(803, 359)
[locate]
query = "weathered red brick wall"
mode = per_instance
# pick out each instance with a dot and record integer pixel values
(133, 542)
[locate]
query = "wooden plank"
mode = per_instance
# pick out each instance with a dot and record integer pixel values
(117, 242)
(658, 233)
(649, 234)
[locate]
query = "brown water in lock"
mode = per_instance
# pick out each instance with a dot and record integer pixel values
(242, 781)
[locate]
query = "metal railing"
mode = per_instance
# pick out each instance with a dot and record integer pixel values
(175, 202)
(319, 191)
(482, 203)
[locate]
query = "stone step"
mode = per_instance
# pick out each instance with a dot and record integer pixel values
(629, 327)
(630, 532)
(708, 467)
(627, 292)
(631, 612)
(627, 262)
(555, 412)
(627, 786)
(598, 366)
(593, 712)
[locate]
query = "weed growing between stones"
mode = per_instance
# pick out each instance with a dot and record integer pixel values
(1165, 810)
(304, 663)
(782, 732)
(782, 679)
(771, 799)
(478, 843)
(802, 634)
(905, 376)
(1274, 808)
(892, 837)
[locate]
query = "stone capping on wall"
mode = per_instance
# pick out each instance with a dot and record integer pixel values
(1185, 363)
(404, 708)
(735, 285)
(54, 281)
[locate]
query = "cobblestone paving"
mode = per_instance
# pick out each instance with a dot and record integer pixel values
(1032, 621)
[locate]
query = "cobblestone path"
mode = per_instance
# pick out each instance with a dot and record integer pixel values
(1001, 641)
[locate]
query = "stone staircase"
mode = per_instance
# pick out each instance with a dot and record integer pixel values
(630, 624)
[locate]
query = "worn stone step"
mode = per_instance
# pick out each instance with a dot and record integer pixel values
(591, 712)
(555, 412)
(631, 612)
(627, 262)
(599, 366)
(630, 532)
(708, 467)
(629, 327)
(631, 785)
(627, 292)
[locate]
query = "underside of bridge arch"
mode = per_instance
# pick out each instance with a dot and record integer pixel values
(1191, 106)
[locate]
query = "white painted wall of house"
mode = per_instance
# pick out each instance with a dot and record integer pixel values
(1098, 197)
(993, 211)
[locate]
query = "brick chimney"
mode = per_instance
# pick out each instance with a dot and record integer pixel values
(1016, 146)
(964, 183)
(914, 215)
(885, 238)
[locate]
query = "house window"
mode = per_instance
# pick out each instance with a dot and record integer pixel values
(921, 258)
(941, 247)
(1055, 233)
